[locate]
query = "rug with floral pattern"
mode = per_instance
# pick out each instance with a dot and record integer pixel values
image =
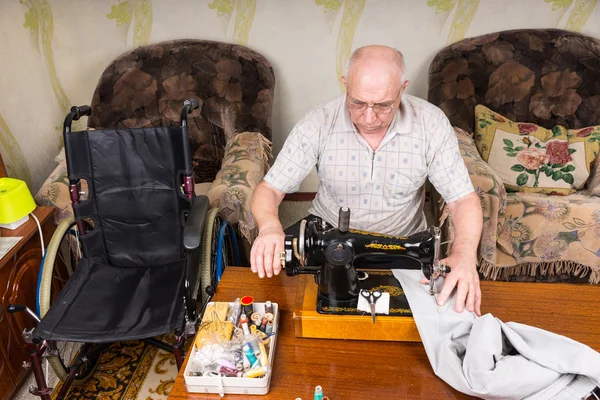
(129, 370)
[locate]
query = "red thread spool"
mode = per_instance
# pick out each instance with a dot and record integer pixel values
(263, 324)
(247, 305)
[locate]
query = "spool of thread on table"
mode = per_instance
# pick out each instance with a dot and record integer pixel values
(318, 393)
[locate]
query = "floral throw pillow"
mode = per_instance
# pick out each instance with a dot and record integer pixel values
(530, 158)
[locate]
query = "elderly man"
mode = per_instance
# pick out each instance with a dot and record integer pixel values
(374, 148)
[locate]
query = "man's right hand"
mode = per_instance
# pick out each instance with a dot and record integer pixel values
(264, 256)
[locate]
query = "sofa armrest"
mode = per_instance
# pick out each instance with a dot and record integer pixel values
(492, 194)
(593, 183)
(245, 163)
(483, 177)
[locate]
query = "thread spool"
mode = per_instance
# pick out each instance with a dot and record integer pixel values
(243, 319)
(270, 316)
(263, 324)
(268, 307)
(246, 329)
(247, 303)
(269, 328)
(318, 393)
(256, 318)
(344, 219)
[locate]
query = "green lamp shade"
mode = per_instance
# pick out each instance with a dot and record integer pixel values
(15, 200)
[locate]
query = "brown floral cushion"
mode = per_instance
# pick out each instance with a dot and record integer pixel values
(530, 158)
(543, 76)
(146, 87)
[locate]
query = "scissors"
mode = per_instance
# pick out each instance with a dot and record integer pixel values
(372, 298)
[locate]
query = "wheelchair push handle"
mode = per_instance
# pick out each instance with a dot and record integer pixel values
(189, 106)
(74, 115)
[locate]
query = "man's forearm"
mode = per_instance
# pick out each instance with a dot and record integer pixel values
(264, 205)
(467, 218)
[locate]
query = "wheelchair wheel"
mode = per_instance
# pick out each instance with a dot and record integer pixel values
(209, 252)
(63, 253)
(219, 249)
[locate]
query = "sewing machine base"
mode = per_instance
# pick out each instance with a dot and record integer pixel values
(341, 323)
(382, 280)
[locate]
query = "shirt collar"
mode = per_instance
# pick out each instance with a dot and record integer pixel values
(401, 123)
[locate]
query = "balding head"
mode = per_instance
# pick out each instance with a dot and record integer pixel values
(375, 76)
(379, 57)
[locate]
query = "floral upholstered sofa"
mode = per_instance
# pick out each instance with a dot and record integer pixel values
(525, 105)
(230, 132)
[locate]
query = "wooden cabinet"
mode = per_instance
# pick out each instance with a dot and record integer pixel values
(18, 285)
(7, 385)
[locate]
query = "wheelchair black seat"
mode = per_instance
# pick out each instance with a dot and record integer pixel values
(139, 227)
(130, 283)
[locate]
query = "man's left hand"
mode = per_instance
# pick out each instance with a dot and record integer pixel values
(463, 275)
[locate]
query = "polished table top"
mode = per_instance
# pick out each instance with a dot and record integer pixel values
(350, 369)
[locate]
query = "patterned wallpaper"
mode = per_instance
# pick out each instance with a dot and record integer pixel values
(53, 51)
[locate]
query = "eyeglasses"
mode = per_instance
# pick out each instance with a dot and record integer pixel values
(378, 108)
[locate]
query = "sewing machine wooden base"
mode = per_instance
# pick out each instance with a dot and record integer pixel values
(308, 323)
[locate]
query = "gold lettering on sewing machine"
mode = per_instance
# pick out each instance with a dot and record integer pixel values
(380, 246)
(359, 232)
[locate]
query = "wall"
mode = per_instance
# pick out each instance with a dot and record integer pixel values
(52, 52)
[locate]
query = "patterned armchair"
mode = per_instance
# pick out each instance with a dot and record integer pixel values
(230, 132)
(530, 79)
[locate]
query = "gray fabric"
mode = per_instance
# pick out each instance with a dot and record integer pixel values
(486, 358)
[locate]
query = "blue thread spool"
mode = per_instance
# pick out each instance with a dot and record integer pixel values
(269, 328)
(318, 393)
(249, 353)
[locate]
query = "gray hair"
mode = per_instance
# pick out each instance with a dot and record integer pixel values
(358, 52)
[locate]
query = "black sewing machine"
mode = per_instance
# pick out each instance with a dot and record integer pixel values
(342, 258)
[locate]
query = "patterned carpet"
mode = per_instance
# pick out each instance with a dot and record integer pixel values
(128, 371)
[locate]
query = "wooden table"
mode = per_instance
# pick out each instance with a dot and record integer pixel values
(393, 370)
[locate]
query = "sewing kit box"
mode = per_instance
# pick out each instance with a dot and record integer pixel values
(234, 385)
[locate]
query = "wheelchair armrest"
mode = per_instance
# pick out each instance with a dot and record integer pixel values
(194, 224)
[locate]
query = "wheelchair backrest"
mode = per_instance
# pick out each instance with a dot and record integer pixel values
(135, 198)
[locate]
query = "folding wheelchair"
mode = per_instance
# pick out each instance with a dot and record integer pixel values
(128, 264)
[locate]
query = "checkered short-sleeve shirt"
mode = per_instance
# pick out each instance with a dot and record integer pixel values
(384, 189)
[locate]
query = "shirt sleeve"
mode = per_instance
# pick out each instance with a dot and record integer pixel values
(296, 159)
(446, 168)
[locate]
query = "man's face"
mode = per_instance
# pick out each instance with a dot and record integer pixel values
(372, 103)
